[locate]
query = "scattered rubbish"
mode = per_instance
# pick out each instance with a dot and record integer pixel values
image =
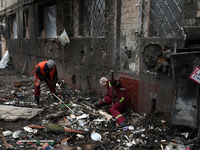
(4, 139)
(63, 38)
(7, 133)
(71, 123)
(107, 116)
(18, 134)
(80, 136)
(28, 129)
(54, 127)
(35, 141)
(4, 61)
(82, 116)
(96, 137)
(125, 128)
(62, 102)
(81, 123)
(130, 127)
(9, 113)
(138, 131)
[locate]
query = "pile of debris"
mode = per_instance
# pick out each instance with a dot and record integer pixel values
(72, 122)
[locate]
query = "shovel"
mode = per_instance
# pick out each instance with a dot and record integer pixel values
(58, 97)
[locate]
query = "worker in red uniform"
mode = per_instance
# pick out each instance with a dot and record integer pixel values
(45, 71)
(120, 99)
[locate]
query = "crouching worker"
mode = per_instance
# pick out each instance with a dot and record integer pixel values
(45, 71)
(120, 99)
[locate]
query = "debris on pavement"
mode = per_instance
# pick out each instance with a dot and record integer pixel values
(76, 124)
(12, 113)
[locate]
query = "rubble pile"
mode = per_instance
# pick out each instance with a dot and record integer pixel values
(72, 122)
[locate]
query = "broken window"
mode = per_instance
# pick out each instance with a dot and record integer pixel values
(2, 3)
(89, 17)
(47, 21)
(2, 26)
(12, 26)
(26, 24)
(160, 17)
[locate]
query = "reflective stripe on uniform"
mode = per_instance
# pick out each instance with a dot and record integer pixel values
(110, 84)
(36, 81)
(121, 99)
(118, 116)
(37, 84)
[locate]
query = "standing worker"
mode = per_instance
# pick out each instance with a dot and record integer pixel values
(45, 71)
(120, 99)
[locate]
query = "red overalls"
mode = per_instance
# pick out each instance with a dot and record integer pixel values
(121, 100)
(37, 80)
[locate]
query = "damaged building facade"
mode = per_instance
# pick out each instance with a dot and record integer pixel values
(139, 39)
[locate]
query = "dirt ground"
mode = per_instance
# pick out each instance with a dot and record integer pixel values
(145, 131)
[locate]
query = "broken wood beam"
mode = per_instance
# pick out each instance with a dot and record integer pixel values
(4, 139)
(66, 121)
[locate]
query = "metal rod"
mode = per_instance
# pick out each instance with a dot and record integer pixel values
(62, 102)
(112, 75)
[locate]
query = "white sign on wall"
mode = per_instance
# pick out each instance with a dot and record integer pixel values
(195, 75)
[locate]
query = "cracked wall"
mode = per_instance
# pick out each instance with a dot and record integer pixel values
(82, 62)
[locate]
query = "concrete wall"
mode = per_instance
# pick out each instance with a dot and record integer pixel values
(138, 78)
(85, 60)
(81, 63)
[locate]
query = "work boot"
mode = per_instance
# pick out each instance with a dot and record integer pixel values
(123, 124)
(97, 105)
(37, 100)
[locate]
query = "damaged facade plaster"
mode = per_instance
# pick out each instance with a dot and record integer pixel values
(123, 47)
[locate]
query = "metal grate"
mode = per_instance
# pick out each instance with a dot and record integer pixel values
(160, 17)
(75, 16)
(89, 18)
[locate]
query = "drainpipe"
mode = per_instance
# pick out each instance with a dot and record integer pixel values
(20, 41)
(118, 45)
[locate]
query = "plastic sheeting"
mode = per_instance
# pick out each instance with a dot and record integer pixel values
(15, 28)
(51, 31)
(4, 61)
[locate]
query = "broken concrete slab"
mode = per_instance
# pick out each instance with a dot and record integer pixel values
(12, 113)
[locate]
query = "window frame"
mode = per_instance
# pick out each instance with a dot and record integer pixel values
(26, 23)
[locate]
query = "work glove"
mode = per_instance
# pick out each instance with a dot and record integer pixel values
(55, 81)
(97, 104)
(113, 82)
(42, 78)
(37, 100)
